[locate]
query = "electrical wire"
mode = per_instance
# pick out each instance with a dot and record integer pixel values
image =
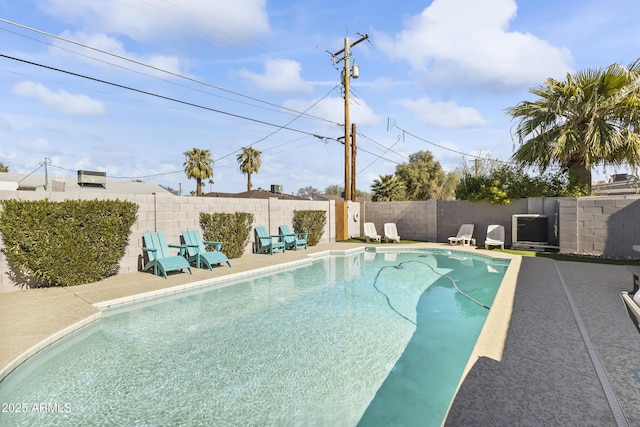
(162, 79)
(283, 126)
(171, 73)
(144, 92)
(280, 127)
(448, 149)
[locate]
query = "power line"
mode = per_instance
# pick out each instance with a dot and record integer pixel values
(123, 177)
(191, 104)
(448, 149)
(283, 126)
(205, 30)
(150, 75)
(279, 127)
(124, 58)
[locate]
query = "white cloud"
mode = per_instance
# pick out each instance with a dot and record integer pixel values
(280, 75)
(470, 40)
(231, 22)
(447, 115)
(61, 100)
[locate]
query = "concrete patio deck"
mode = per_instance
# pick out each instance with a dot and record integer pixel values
(560, 349)
(543, 373)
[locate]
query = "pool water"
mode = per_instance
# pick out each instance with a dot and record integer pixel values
(365, 339)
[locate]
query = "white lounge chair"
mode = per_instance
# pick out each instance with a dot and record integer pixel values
(370, 232)
(631, 304)
(495, 236)
(464, 236)
(391, 232)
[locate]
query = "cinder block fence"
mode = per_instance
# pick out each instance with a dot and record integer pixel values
(603, 226)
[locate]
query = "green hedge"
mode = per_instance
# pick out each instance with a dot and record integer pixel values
(232, 229)
(311, 222)
(66, 243)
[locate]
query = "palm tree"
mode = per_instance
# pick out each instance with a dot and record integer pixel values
(389, 188)
(592, 117)
(199, 165)
(249, 162)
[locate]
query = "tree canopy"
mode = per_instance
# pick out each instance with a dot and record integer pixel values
(591, 117)
(389, 188)
(249, 162)
(307, 191)
(3, 167)
(199, 165)
(424, 177)
(338, 190)
(421, 178)
(499, 183)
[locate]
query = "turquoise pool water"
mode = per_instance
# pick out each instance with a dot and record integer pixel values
(365, 339)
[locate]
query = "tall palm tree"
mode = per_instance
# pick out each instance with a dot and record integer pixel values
(592, 117)
(249, 162)
(199, 165)
(389, 188)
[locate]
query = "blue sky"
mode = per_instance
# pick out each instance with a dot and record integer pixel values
(434, 75)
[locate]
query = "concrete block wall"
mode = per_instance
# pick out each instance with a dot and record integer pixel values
(451, 214)
(603, 226)
(414, 220)
(172, 214)
(568, 225)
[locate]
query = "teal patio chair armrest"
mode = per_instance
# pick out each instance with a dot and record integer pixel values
(150, 249)
(304, 235)
(183, 248)
(218, 245)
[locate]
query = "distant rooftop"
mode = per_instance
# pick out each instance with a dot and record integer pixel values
(32, 182)
(256, 194)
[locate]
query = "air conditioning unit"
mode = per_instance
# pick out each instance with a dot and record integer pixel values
(529, 230)
(278, 189)
(93, 178)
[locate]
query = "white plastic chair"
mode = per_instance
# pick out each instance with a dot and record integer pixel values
(370, 232)
(464, 236)
(391, 232)
(495, 236)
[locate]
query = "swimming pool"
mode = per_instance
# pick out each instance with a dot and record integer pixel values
(364, 339)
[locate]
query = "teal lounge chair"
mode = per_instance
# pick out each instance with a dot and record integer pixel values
(198, 254)
(266, 243)
(292, 240)
(157, 250)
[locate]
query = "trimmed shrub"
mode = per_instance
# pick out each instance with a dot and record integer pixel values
(66, 243)
(311, 222)
(232, 229)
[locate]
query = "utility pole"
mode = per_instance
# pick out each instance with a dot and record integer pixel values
(46, 172)
(346, 82)
(353, 162)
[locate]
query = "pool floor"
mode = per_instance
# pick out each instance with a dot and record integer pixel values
(344, 341)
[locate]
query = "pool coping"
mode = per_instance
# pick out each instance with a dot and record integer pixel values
(490, 342)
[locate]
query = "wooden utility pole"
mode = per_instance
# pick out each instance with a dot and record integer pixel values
(353, 162)
(346, 82)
